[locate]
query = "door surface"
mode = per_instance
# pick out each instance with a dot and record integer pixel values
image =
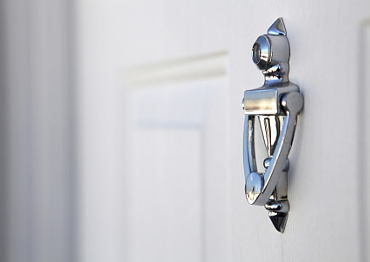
(161, 131)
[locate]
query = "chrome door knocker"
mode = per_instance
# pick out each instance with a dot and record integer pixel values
(277, 105)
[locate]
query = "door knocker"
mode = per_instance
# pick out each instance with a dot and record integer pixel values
(276, 105)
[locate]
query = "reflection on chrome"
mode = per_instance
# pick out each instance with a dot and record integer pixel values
(277, 105)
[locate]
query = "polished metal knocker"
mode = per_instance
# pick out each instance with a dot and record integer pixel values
(276, 105)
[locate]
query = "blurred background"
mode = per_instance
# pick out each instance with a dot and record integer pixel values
(121, 131)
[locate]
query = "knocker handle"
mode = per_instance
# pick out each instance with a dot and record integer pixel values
(270, 188)
(259, 187)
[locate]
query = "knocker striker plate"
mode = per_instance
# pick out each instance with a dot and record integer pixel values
(276, 105)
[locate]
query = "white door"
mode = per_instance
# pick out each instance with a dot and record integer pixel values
(161, 131)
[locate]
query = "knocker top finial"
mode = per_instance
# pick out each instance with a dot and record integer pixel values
(271, 53)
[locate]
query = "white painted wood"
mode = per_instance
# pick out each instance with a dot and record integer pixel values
(177, 194)
(325, 222)
(164, 209)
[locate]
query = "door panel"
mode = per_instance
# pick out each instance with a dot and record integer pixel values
(177, 194)
(193, 126)
(164, 212)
